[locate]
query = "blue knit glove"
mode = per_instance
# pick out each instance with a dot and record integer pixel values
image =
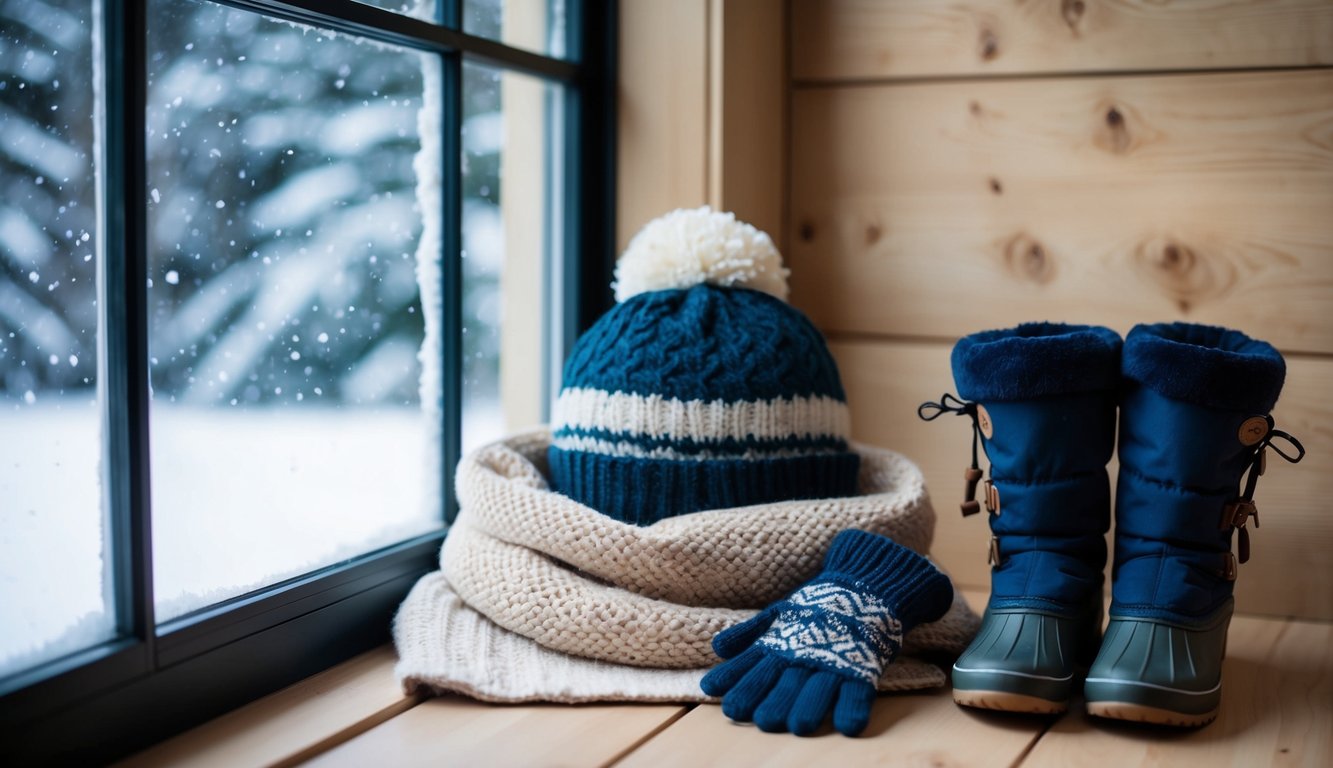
(824, 647)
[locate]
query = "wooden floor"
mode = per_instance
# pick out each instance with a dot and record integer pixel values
(1277, 709)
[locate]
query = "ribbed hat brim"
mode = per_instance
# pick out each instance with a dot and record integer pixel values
(643, 491)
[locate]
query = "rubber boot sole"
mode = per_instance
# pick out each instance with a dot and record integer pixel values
(1139, 713)
(1004, 701)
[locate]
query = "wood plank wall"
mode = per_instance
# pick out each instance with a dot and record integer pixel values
(703, 88)
(978, 163)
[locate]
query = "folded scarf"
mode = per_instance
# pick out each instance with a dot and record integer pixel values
(542, 598)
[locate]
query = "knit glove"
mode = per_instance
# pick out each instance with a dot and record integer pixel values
(824, 647)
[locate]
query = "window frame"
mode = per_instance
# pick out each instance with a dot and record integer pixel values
(153, 681)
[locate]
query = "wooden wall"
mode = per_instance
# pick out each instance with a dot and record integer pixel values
(703, 88)
(933, 169)
(979, 163)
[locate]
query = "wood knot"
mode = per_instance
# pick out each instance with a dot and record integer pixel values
(1182, 273)
(1072, 11)
(806, 231)
(873, 234)
(988, 45)
(974, 107)
(1027, 258)
(1173, 258)
(1112, 133)
(996, 186)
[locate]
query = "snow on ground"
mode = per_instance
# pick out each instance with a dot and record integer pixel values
(50, 531)
(244, 499)
(241, 498)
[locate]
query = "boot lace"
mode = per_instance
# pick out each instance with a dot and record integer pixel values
(929, 411)
(1237, 512)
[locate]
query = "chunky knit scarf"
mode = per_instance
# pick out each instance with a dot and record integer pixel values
(542, 598)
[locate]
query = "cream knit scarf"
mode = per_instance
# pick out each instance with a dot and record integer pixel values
(540, 598)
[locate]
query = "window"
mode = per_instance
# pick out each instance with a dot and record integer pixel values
(266, 268)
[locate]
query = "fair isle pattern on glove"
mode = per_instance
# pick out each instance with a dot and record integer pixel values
(819, 652)
(845, 630)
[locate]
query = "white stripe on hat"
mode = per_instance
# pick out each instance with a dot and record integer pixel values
(655, 416)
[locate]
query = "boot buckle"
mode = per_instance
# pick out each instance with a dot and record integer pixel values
(992, 495)
(970, 506)
(993, 557)
(1236, 513)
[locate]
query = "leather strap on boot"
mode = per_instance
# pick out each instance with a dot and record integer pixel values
(972, 475)
(1257, 433)
(929, 411)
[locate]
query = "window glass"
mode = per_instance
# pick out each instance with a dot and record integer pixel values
(294, 423)
(54, 565)
(507, 238)
(536, 25)
(421, 9)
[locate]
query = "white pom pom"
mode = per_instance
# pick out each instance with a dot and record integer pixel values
(686, 248)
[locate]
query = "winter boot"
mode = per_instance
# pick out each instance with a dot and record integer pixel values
(1042, 401)
(1194, 418)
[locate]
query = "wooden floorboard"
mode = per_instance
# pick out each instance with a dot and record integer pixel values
(457, 731)
(296, 722)
(924, 728)
(1277, 709)
(908, 729)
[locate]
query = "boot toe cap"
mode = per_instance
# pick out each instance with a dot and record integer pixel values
(1158, 672)
(1019, 653)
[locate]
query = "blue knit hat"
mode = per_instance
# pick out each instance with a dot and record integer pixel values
(702, 388)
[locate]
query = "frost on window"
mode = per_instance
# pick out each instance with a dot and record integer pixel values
(421, 9)
(54, 586)
(293, 423)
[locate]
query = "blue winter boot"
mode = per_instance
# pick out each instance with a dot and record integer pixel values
(1194, 419)
(1042, 401)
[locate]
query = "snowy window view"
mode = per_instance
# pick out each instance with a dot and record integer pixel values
(293, 207)
(285, 321)
(54, 591)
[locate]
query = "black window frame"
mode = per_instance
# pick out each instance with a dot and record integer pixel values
(154, 681)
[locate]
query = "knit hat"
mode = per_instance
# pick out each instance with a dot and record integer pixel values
(702, 388)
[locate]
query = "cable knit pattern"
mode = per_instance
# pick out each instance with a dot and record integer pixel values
(701, 398)
(731, 344)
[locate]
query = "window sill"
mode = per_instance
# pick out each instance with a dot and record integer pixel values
(295, 723)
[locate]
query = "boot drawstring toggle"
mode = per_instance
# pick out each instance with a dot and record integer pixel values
(929, 411)
(1258, 432)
